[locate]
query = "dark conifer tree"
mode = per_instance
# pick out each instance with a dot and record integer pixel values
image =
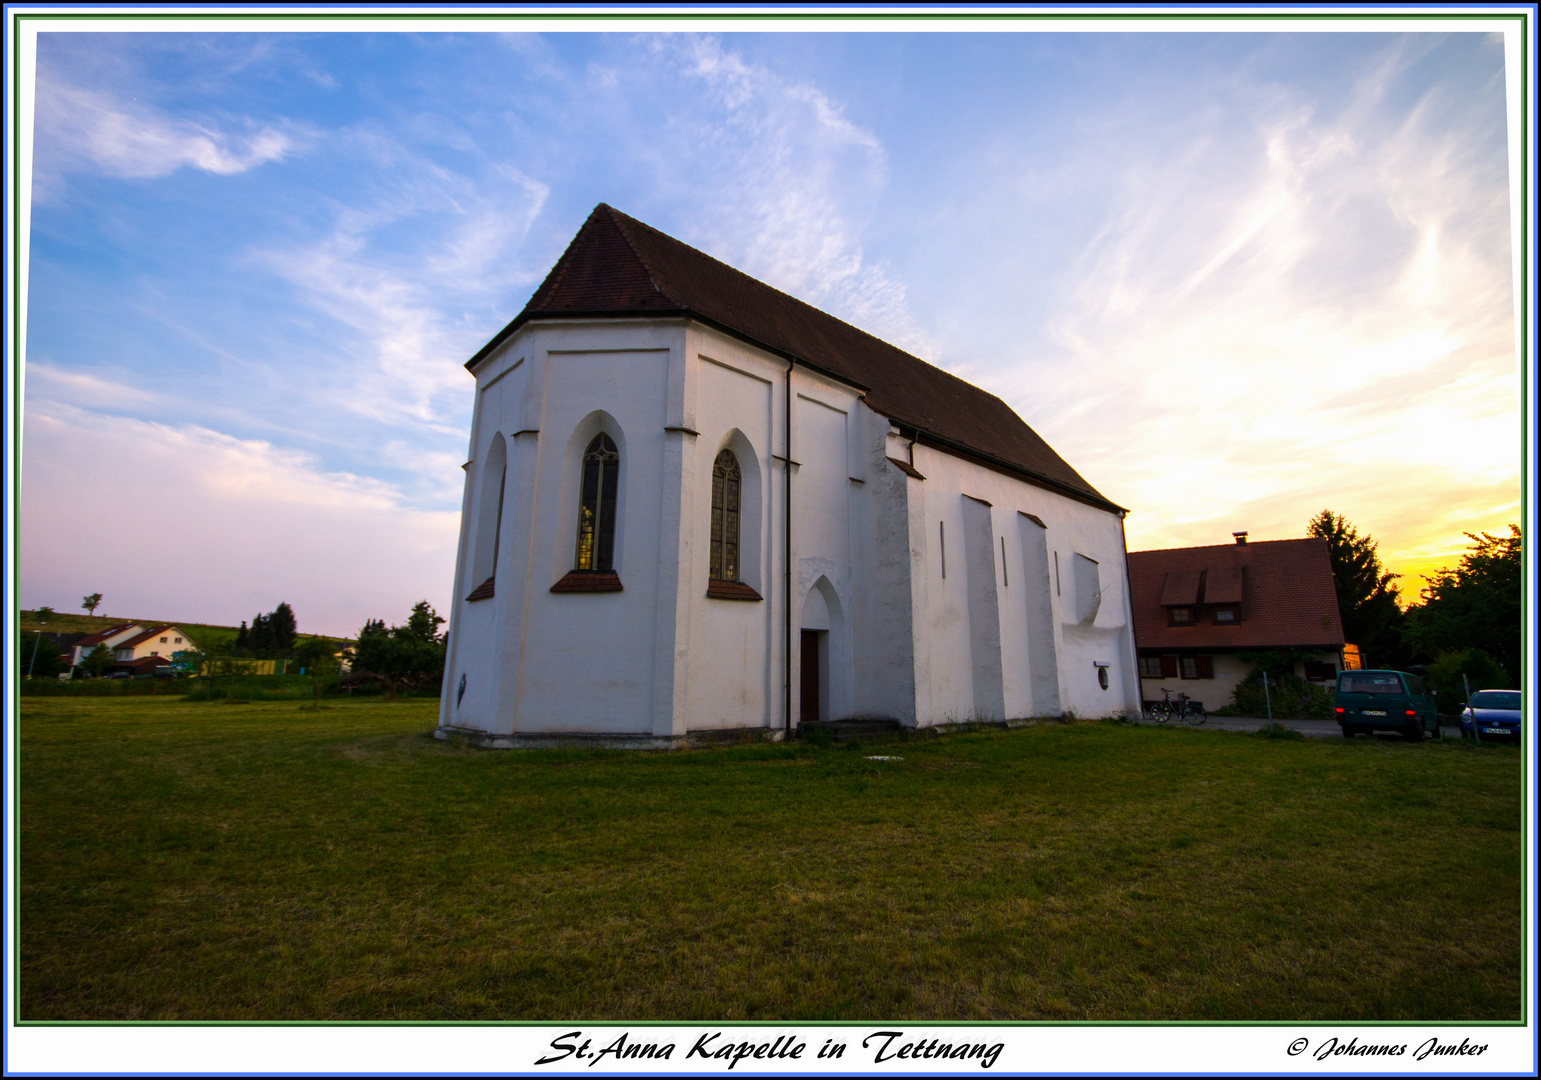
(242, 638)
(282, 628)
(261, 635)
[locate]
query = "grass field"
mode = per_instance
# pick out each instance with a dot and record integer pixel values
(269, 861)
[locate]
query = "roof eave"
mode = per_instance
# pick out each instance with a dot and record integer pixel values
(924, 436)
(657, 313)
(939, 442)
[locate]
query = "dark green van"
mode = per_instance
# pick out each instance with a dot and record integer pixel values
(1369, 701)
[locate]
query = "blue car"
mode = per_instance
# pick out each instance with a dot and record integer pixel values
(1492, 714)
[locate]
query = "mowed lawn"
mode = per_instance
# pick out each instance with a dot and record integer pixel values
(267, 861)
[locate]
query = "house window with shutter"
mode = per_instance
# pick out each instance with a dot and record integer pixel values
(1169, 667)
(1198, 667)
(1150, 667)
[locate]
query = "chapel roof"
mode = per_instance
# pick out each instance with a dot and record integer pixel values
(619, 267)
(1283, 588)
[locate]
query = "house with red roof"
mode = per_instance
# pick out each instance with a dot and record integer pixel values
(1197, 610)
(159, 641)
(694, 503)
(110, 637)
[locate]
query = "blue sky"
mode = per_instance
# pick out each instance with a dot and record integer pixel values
(1232, 278)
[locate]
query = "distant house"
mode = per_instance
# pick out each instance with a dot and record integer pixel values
(1196, 609)
(111, 637)
(161, 641)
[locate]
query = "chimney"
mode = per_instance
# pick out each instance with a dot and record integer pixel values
(1241, 537)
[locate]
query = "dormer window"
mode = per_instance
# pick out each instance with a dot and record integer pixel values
(1180, 616)
(1225, 616)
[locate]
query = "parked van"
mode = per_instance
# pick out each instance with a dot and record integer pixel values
(1368, 701)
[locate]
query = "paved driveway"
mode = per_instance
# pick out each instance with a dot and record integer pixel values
(1315, 729)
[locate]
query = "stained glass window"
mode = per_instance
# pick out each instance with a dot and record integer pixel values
(596, 509)
(726, 485)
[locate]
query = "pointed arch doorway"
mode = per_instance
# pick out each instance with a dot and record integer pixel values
(821, 609)
(811, 695)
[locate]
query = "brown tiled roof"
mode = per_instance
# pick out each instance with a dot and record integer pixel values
(145, 661)
(139, 639)
(617, 266)
(1180, 588)
(91, 640)
(1284, 586)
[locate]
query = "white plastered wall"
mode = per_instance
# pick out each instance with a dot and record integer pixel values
(731, 656)
(540, 662)
(994, 638)
(1095, 632)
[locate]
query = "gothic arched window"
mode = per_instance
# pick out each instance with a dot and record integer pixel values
(726, 486)
(596, 505)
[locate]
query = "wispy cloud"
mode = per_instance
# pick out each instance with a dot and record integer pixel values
(84, 129)
(84, 388)
(216, 527)
(781, 182)
(405, 302)
(1331, 321)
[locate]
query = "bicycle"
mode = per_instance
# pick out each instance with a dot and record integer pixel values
(1183, 708)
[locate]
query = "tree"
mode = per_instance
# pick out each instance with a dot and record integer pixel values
(1476, 605)
(242, 639)
(38, 656)
(272, 634)
(401, 657)
(43, 614)
(281, 628)
(261, 635)
(97, 662)
(316, 656)
(1481, 672)
(1367, 593)
(91, 603)
(423, 624)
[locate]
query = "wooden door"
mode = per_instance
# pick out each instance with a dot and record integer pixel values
(810, 677)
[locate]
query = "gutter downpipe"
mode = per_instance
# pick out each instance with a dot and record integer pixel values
(786, 560)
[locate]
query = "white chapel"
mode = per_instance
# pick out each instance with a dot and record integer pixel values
(695, 504)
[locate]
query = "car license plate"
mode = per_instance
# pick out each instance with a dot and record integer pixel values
(1495, 731)
(1375, 712)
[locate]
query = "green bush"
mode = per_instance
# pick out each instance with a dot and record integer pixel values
(1289, 697)
(1277, 731)
(1480, 669)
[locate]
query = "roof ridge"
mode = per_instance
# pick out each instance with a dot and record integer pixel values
(621, 214)
(767, 285)
(1227, 547)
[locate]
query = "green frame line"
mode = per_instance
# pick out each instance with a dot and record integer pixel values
(19, 17)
